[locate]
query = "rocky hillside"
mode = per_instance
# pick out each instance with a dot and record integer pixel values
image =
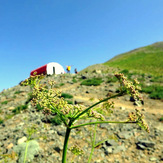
(22, 124)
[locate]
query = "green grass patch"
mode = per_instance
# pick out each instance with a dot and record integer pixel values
(4, 102)
(92, 82)
(74, 80)
(1, 120)
(112, 79)
(18, 109)
(154, 91)
(127, 73)
(157, 79)
(8, 116)
(18, 92)
(161, 119)
(66, 95)
(69, 101)
(147, 59)
(61, 84)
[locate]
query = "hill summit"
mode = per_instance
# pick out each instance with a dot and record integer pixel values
(147, 59)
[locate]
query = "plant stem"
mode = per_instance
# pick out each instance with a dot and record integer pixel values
(86, 110)
(93, 144)
(92, 123)
(68, 130)
(26, 150)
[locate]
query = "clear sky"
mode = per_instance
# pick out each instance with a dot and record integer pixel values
(72, 32)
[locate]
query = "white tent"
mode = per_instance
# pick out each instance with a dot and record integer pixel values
(54, 68)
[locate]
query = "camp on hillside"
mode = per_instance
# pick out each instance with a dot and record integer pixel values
(48, 69)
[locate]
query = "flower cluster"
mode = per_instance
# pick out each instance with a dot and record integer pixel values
(138, 118)
(76, 150)
(51, 100)
(130, 87)
(95, 114)
(108, 106)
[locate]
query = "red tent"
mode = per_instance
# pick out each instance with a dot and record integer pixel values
(49, 69)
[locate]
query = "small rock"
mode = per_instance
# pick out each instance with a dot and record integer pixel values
(33, 149)
(22, 140)
(10, 146)
(125, 135)
(79, 101)
(122, 108)
(142, 144)
(111, 143)
(119, 149)
(61, 133)
(152, 159)
(108, 151)
(57, 149)
(11, 108)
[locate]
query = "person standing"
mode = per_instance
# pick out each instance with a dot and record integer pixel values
(76, 71)
(68, 69)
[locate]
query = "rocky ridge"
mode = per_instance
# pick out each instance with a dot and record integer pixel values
(125, 143)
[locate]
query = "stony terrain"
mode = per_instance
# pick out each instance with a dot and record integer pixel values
(125, 143)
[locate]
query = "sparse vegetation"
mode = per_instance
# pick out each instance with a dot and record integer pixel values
(112, 79)
(66, 95)
(157, 79)
(4, 102)
(1, 120)
(18, 92)
(18, 109)
(161, 119)
(92, 82)
(8, 116)
(61, 84)
(69, 101)
(154, 91)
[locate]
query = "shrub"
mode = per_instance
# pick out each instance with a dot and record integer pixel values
(93, 81)
(66, 95)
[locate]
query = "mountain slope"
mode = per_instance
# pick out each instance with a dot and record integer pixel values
(148, 59)
(24, 126)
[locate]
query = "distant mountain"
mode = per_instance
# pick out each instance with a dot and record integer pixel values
(148, 59)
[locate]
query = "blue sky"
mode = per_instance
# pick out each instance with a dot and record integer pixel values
(72, 32)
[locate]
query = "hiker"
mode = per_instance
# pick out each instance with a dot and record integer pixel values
(76, 71)
(68, 69)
